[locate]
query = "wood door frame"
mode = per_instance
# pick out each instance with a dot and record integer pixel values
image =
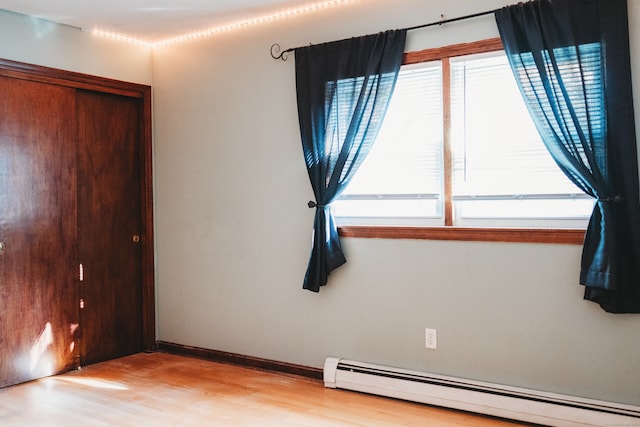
(21, 70)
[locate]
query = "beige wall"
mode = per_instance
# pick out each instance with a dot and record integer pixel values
(40, 42)
(233, 234)
(233, 230)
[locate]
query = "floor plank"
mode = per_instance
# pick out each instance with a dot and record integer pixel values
(159, 389)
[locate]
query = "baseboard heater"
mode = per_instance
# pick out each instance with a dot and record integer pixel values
(475, 396)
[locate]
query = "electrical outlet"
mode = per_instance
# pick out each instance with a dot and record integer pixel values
(430, 338)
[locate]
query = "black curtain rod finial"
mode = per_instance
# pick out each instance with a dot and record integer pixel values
(276, 53)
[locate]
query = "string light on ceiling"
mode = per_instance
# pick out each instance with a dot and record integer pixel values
(283, 14)
(120, 37)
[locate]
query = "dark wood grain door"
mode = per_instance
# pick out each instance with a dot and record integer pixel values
(109, 221)
(38, 285)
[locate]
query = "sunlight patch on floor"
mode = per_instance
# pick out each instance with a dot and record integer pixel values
(90, 382)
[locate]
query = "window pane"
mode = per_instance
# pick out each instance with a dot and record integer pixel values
(556, 213)
(497, 150)
(402, 175)
(499, 159)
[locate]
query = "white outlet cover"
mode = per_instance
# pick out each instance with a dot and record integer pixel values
(430, 339)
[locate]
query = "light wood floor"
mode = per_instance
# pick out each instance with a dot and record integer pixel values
(157, 389)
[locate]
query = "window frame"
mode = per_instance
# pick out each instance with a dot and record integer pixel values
(449, 231)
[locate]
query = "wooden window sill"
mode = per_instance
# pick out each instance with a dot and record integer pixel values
(515, 235)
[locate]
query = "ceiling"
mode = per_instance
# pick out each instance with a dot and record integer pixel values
(149, 20)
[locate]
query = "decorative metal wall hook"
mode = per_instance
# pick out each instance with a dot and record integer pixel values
(276, 53)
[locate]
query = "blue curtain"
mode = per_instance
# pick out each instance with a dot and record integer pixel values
(571, 61)
(343, 90)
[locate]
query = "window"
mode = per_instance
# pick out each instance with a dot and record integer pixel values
(458, 148)
(401, 178)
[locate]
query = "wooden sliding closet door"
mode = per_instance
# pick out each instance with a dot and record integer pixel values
(75, 189)
(109, 225)
(38, 287)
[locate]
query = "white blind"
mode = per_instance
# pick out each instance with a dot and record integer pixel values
(496, 148)
(580, 75)
(402, 175)
(406, 158)
(502, 173)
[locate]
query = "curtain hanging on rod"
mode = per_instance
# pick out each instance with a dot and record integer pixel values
(571, 61)
(343, 91)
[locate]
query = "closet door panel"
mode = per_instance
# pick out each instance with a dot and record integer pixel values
(38, 282)
(109, 225)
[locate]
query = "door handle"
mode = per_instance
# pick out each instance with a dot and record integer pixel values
(2, 247)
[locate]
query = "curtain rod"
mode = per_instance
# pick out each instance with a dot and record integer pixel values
(276, 53)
